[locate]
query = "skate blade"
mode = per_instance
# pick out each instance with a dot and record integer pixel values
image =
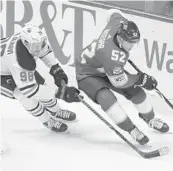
(166, 133)
(65, 132)
(65, 121)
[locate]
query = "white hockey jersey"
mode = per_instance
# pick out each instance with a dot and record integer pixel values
(18, 62)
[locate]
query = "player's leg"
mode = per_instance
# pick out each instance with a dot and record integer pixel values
(38, 110)
(9, 89)
(139, 99)
(47, 98)
(97, 89)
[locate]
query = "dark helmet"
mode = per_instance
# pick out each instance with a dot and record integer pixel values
(129, 32)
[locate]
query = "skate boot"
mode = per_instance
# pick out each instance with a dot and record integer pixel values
(138, 136)
(158, 125)
(55, 126)
(64, 115)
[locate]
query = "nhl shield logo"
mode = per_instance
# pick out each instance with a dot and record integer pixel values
(117, 70)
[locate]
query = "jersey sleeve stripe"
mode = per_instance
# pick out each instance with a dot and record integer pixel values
(6, 91)
(30, 91)
(7, 96)
(29, 86)
(34, 92)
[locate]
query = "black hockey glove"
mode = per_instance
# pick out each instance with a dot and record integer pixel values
(146, 81)
(68, 94)
(58, 74)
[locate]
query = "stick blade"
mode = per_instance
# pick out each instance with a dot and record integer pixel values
(160, 152)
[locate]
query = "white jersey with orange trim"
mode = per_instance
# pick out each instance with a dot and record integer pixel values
(20, 64)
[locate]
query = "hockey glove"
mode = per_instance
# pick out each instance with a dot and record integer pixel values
(68, 94)
(146, 81)
(58, 74)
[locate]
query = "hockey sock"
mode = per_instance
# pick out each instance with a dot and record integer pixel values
(40, 112)
(145, 110)
(143, 106)
(51, 104)
(109, 104)
(119, 116)
(147, 116)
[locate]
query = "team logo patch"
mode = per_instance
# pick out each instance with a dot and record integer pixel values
(135, 34)
(117, 70)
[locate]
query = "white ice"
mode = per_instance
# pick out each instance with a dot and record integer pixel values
(89, 146)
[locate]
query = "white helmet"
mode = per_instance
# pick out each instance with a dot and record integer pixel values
(33, 38)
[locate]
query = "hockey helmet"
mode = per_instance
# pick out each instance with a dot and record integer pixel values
(129, 32)
(33, 38)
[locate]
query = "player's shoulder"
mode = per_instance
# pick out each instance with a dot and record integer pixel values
(24, 58)
(113, 14)
(8, 45)
(8, 49)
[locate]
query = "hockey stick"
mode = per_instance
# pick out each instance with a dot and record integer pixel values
(147, 155)
(156, 89)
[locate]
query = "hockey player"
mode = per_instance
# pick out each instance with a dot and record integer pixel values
(101, 69)
(19, 79)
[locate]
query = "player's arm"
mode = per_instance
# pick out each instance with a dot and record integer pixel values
(66, 93)
(56, 71)
(114, 14)
(146, 81)
(119, 77)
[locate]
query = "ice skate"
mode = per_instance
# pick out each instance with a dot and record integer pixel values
(55, 126)
(64, 115)
(138, 136)
(158, 125)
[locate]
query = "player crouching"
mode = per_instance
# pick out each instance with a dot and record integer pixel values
(20, 80)
(101, 70)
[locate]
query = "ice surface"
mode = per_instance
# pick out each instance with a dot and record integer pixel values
(90, 145)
